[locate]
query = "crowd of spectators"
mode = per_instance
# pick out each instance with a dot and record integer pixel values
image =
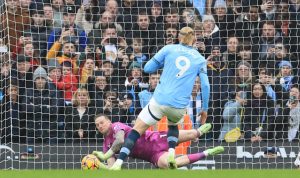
(64, 61)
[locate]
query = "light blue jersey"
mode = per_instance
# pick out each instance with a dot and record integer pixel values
(181, 65)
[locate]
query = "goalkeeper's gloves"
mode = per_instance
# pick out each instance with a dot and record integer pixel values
(103, 156)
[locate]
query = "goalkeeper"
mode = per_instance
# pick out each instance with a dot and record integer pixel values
(181, 64)
(152, 146)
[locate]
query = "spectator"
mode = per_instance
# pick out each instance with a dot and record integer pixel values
(87, 69)
(12, 122)
(68, 51)
(286, 77)
(220, 79)
(231, 55)
(138, 54)
(23, 73)
(146, 94)
(224, 20)
(41, 104)
(54, 70)
(86, 16)
(269, 37)
(172, 16)
(17, 22)
(38, 30)
(293, 110)
(68, 29)
(248, 23)
(258, 123)
(233, 113)
(211, 34)
(127, 112)
(58, 9)
(97, 85)
(199, 44)
(268, 7)
(111, 105)
(194, 107)
(49, 16)
(68, 82)
(134, 82)
(80, 117)
(171, 34)
(244, 78)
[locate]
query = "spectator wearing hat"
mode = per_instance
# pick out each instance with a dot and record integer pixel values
(66, 46)
(211, 33)
(41, 105)
(224, 20)
(38, 30)
(286, 77)
(68, 29)
(68, 82)
(127, 108)
(220, 79)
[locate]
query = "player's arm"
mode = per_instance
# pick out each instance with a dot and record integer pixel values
(152, 66)
(116, 146)
(205, 91)
(156, 62)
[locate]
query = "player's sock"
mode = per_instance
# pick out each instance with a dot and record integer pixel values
(129, 144)
(172, 136)
(195, 157)
(172, 142)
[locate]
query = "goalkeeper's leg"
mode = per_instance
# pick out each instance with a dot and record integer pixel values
(190, 158)
(188, 135)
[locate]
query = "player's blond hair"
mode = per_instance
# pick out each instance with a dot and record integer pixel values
(187, 36)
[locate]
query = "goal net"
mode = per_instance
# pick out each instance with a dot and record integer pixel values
(65, 61)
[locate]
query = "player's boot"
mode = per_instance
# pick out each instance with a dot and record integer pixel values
(205, 128)
(116, 166)
(171, 161)
(215, 150)
(297, 161)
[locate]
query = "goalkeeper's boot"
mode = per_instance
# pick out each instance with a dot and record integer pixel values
(215, 150)
(117, 165)
(205, 128)
(171, 161)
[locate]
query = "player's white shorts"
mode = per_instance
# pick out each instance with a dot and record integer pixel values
(153, 112)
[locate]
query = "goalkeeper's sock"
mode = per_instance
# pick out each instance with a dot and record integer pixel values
(195, 157)
(173, 134)
(129, 144)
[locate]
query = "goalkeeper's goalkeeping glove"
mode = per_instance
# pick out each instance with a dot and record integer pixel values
(103, 156)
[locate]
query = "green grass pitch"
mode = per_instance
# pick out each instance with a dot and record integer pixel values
(151, 174)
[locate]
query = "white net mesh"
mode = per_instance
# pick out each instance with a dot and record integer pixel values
(64, 61)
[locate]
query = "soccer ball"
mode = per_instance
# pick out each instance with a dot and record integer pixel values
(90, 162)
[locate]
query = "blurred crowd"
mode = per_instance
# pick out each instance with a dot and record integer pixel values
(64, 61)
